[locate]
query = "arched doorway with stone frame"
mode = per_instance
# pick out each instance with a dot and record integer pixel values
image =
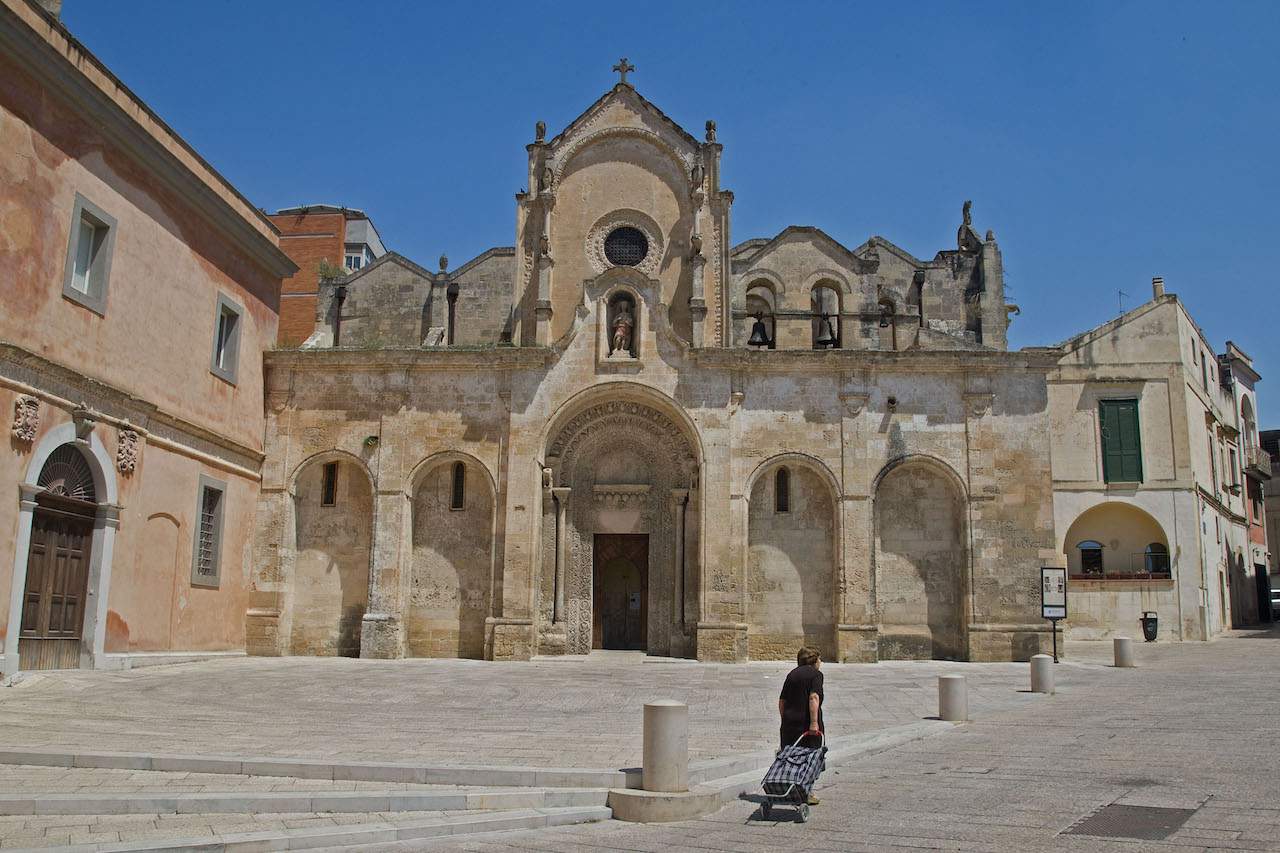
(450, 576)
(621, 531)
(68, 517)
(793, 558)
(332, 529)
(921, 561)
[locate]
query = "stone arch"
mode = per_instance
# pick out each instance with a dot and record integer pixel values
(793, 559)
(564, 158)
(622, 461)
(1123, 530)
(830, 277)
(331, 555)
(102, 542)
(451, 563)
(921, 560)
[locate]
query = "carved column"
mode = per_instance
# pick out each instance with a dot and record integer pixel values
(678, 498)
(697, 301)
(544, 266)
(561, 495)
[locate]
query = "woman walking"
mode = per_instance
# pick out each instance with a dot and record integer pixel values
(800, 703)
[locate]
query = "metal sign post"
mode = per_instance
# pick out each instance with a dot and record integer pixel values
(1053, 600)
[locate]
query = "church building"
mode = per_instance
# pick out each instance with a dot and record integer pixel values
(629, 431)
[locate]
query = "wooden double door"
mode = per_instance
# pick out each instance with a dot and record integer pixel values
(620, 583)
(53, 601)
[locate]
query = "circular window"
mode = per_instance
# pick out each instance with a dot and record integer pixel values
(625, 246)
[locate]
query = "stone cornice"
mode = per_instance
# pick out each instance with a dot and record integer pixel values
(27, 372)
(409, 358)
(824, 361)
(62, 65)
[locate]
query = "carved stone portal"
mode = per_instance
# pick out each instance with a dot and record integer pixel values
(622, 460)
(26, 418)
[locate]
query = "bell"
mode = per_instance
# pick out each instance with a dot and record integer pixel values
(759, 334)
(826, 333)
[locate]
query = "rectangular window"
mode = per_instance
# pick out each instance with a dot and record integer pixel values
(1213, 467)
(206, 560)
(226, 339)
(329, 487)
(1121, 442)
(1234, 475)
(1204, 370)
(89, 249)
(354, 262)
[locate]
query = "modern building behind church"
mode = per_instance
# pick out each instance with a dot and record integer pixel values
(629, 430)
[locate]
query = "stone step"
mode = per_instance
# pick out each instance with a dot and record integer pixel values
(276, 802)
(343, 771)
(377, 832)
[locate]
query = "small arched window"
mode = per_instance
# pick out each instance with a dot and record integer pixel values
(458, 492)
(824, 302)
(782, 491)
(1090, 557)
(760, 304)
(1157, 559)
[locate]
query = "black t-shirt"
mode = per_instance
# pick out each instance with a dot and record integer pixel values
(800, 682)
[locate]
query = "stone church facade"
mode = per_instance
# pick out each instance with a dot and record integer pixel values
(627, 431)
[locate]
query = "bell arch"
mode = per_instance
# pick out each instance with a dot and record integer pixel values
(921, 560)
(622, 481)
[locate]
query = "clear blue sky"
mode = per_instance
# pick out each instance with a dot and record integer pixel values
(1103, 142)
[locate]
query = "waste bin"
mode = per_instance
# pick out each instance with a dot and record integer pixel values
(1150, 620)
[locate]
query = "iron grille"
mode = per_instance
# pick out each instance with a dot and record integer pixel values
(626, 246)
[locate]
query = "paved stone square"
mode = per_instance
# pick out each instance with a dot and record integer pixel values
(1195, 726)
(577, 713)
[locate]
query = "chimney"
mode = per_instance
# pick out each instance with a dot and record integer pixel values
(1157, 287)
(53, 7)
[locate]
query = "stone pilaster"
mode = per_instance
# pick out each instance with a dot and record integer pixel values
(382, 631)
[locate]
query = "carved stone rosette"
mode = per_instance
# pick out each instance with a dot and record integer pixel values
(127, 450)
(26, 418)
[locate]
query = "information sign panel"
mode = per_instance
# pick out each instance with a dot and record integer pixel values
(1053, 593)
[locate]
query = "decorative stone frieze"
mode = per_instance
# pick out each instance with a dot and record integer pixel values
(26, 418)
(127, 449)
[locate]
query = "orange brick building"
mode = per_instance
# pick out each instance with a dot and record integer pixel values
(308, 235)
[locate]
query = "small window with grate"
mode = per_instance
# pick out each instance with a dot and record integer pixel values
(626, 246)
(206, 561)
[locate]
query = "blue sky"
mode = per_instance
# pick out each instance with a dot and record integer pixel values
(1103, 142)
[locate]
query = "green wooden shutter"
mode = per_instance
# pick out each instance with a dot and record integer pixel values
(1121, 441)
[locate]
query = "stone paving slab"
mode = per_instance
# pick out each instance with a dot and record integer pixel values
(584, 713)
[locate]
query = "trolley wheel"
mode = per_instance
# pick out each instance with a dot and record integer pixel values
(765, 809)
(804, 812)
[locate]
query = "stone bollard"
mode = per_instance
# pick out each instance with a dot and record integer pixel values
(953, 698)
(666, 746)
(1041, 674)
(1124, 651)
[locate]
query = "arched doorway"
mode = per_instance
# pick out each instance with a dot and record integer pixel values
(333, 525)
(620, 521)
(451, 574)
(920, 564)
(59, 556)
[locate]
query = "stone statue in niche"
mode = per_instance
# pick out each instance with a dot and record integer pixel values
(26, 418)
(697, 176)
(127, 451)
(544, 246)
(695, 243)
(547, 177)
(622, 328)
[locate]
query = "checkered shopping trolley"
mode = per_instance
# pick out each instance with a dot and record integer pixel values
(792, 775)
